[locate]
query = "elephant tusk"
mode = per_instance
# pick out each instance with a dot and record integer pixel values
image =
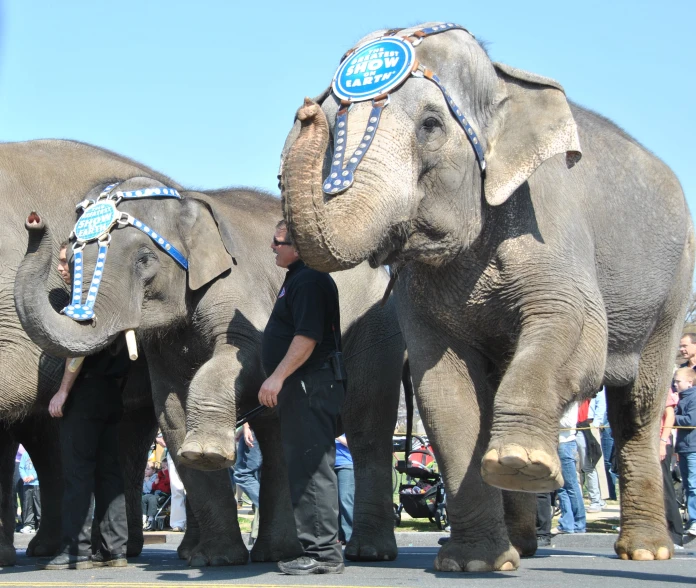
(132, 345)
(75, 364)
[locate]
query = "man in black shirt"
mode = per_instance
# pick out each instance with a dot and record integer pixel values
(302, 332)
(89, 402)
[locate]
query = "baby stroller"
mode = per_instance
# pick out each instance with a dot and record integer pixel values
(422, 494)
(162, 516)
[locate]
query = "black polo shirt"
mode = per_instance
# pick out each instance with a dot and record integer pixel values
(307, 305)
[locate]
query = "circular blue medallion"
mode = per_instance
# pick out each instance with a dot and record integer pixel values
(373, 69)
(96, 221)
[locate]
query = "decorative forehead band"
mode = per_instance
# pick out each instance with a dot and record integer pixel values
(99, 217)
(370, 72)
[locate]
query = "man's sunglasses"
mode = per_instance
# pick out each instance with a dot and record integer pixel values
(276, 242)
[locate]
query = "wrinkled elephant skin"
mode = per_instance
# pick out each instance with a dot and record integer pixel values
(565, 267)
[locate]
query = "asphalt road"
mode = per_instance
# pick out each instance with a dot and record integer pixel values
(579, 562)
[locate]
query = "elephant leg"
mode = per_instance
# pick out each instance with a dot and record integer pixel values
(192, 535)
(369, 415)
(456, 411)
(136, 432)
(208, 494)
(40, 437)
(520, 519)
(211, 408)
(277, 538)
(634, 414)
(557, 361)
(8, 497)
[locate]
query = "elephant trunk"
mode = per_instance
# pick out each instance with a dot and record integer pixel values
(54, 333)
(327, 234)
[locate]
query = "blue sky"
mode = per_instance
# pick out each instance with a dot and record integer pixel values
(206, 91)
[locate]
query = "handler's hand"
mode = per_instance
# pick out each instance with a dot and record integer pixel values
(268, 395)
(663, 450)
(248, 435)
(55, 407)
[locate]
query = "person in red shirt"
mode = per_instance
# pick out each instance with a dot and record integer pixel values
(161, 489)
(162, 483)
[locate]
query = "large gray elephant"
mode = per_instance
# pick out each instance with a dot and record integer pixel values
(51, 176)
(521, 288)
(201, 331)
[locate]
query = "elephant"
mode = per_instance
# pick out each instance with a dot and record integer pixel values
(45, 175)
(541, 253)
(201, 330)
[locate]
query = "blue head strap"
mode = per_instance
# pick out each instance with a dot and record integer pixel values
(99, 217)
(371, 71)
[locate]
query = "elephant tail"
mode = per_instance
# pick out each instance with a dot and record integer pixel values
(408, 398)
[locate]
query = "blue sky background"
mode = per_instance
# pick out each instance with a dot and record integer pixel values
(206, 91)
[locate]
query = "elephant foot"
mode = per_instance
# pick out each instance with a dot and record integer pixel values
(219, 551)
(372, 546)
(479, 557)
(134, 548)
(635, 544)
(206, 452)
(268, 549)
(523, 468)
(188, 544)
(8, 555)
(525, 546)
(43, 546)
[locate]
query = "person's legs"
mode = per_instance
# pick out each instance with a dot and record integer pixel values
(570, 495)
(110, 500)
(36, 499)
(177, 513)
(346, 498)
(150, 506)
(79, 438)
(687, 466)
(672, 514)
(589, 475)
(543, 517)
(247, 468)
(28, 513)
(607, 442)
(308, 408)
(593, 491)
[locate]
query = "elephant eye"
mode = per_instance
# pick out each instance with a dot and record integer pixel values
(146, 262)
(431, 124)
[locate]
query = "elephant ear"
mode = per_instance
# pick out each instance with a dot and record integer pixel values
(208, 257)
(532, 123)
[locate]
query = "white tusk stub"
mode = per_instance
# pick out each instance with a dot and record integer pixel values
(132, 345)
(75, 363)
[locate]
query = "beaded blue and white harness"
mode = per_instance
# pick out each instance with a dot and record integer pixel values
(369, 72)
(99, 217)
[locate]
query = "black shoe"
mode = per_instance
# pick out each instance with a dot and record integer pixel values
(65, 561)
(114, 560)
(543, 540)
(306, 565)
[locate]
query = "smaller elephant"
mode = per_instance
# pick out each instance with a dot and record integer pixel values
(200, 329)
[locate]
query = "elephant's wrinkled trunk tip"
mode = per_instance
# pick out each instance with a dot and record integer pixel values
(34, 222)
(308, 110)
